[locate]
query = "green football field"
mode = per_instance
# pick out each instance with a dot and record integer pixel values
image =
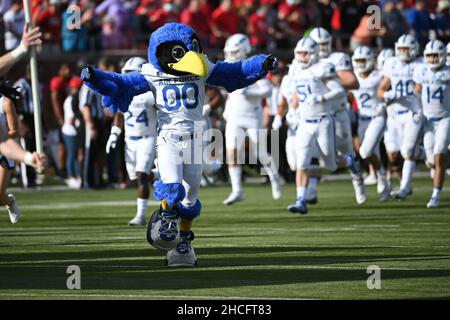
(254, 249)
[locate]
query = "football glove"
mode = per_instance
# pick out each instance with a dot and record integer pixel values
(113, 137)
(277, 122)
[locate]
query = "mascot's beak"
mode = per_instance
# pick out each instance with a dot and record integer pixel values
(192, 62)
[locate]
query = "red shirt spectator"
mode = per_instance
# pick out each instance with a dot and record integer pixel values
(294, 15)
(59, 88)
(206, 8)
(194, 17)
(258, 26)
(224, 22)
(163, 15)
(48, 18)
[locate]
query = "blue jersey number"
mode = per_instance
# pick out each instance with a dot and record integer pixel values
(405, 88)
(364, 97)
(303, 92)
(437, 95)
(174, 97)
(141, 118)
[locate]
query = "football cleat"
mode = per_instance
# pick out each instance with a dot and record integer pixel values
(401, 194)
(13, 210)
(386, 194)
(313, 200)
(360, 191)
(370, 180)
(300, 206)
(233, 197)
(137, 221)
(433, 203)
(182, 256)
(163, 231)
(276, 188)
(381, 184)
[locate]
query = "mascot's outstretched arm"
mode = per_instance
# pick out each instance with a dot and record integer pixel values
(118, 90)
(237, 75)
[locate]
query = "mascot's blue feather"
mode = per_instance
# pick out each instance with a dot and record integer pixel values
(169, 32)
(190, 213)
(172, 192)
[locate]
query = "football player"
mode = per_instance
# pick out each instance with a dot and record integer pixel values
(341, 113)
(432, 83)
(244, 116)
(371, 112)
(139, 124)
(405, 123)
(315, 89)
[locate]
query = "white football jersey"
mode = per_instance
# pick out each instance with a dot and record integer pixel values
(309, 82)
(247, 102)
(366, 95)
(435, 90)
(341, 62)
(401, 77)
(140, 119)
(179, 99)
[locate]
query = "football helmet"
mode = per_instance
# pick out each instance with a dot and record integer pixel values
(383, 56)
(409, 42)
(323, 38)
(435, 47)
(310, 46)
(163, 230)
(363, 59)
(133, 64)
(237, 47)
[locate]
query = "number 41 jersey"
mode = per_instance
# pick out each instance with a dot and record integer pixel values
(179, 99)
(140, 119)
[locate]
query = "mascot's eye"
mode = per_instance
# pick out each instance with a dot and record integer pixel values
(195, 45)
(178, 52)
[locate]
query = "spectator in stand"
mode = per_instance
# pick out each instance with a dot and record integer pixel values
(350, 15)
(394, 22)
(48, 17)
(92, 23)
(59, 88)
(443, 21)
(194, 17)
(366, 34)
(166, 13)
(14, 21)
(115, 9)
(224, 23)
(70, 133)
(143, 12)
(293, 19)
(259, 28)
(323, 10)
(420, 21)
(74, 36)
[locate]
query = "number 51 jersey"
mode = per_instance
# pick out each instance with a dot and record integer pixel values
(179, 99)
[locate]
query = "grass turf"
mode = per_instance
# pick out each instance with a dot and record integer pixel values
(254, 249)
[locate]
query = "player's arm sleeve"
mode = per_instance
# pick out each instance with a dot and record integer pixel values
(118, 90)
(336, 91)
(236, 75)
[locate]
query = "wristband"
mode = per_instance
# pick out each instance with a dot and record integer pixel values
(116, 130)
(28, 159)
(18, 52)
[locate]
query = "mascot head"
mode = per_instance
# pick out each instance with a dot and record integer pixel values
(175, 49)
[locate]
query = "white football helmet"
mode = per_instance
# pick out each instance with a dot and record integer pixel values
(409, 42)
(435, 47)
(448, 54)
(133, 64)
(383, 56)
(363, 59)
(237, 47)
(323, 38)
(310, 46)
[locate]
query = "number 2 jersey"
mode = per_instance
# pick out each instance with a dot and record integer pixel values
(366, 95)
(179, 99)
(401, 77)
(435, 91)
(140, 119)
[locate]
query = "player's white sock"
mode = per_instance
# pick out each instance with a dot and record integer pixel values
(301, 192)
(436, 193)
(312, 186)
(407, 172)
(236, 178)
(142, 207)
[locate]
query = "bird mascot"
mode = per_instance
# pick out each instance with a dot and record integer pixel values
(177, 73)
